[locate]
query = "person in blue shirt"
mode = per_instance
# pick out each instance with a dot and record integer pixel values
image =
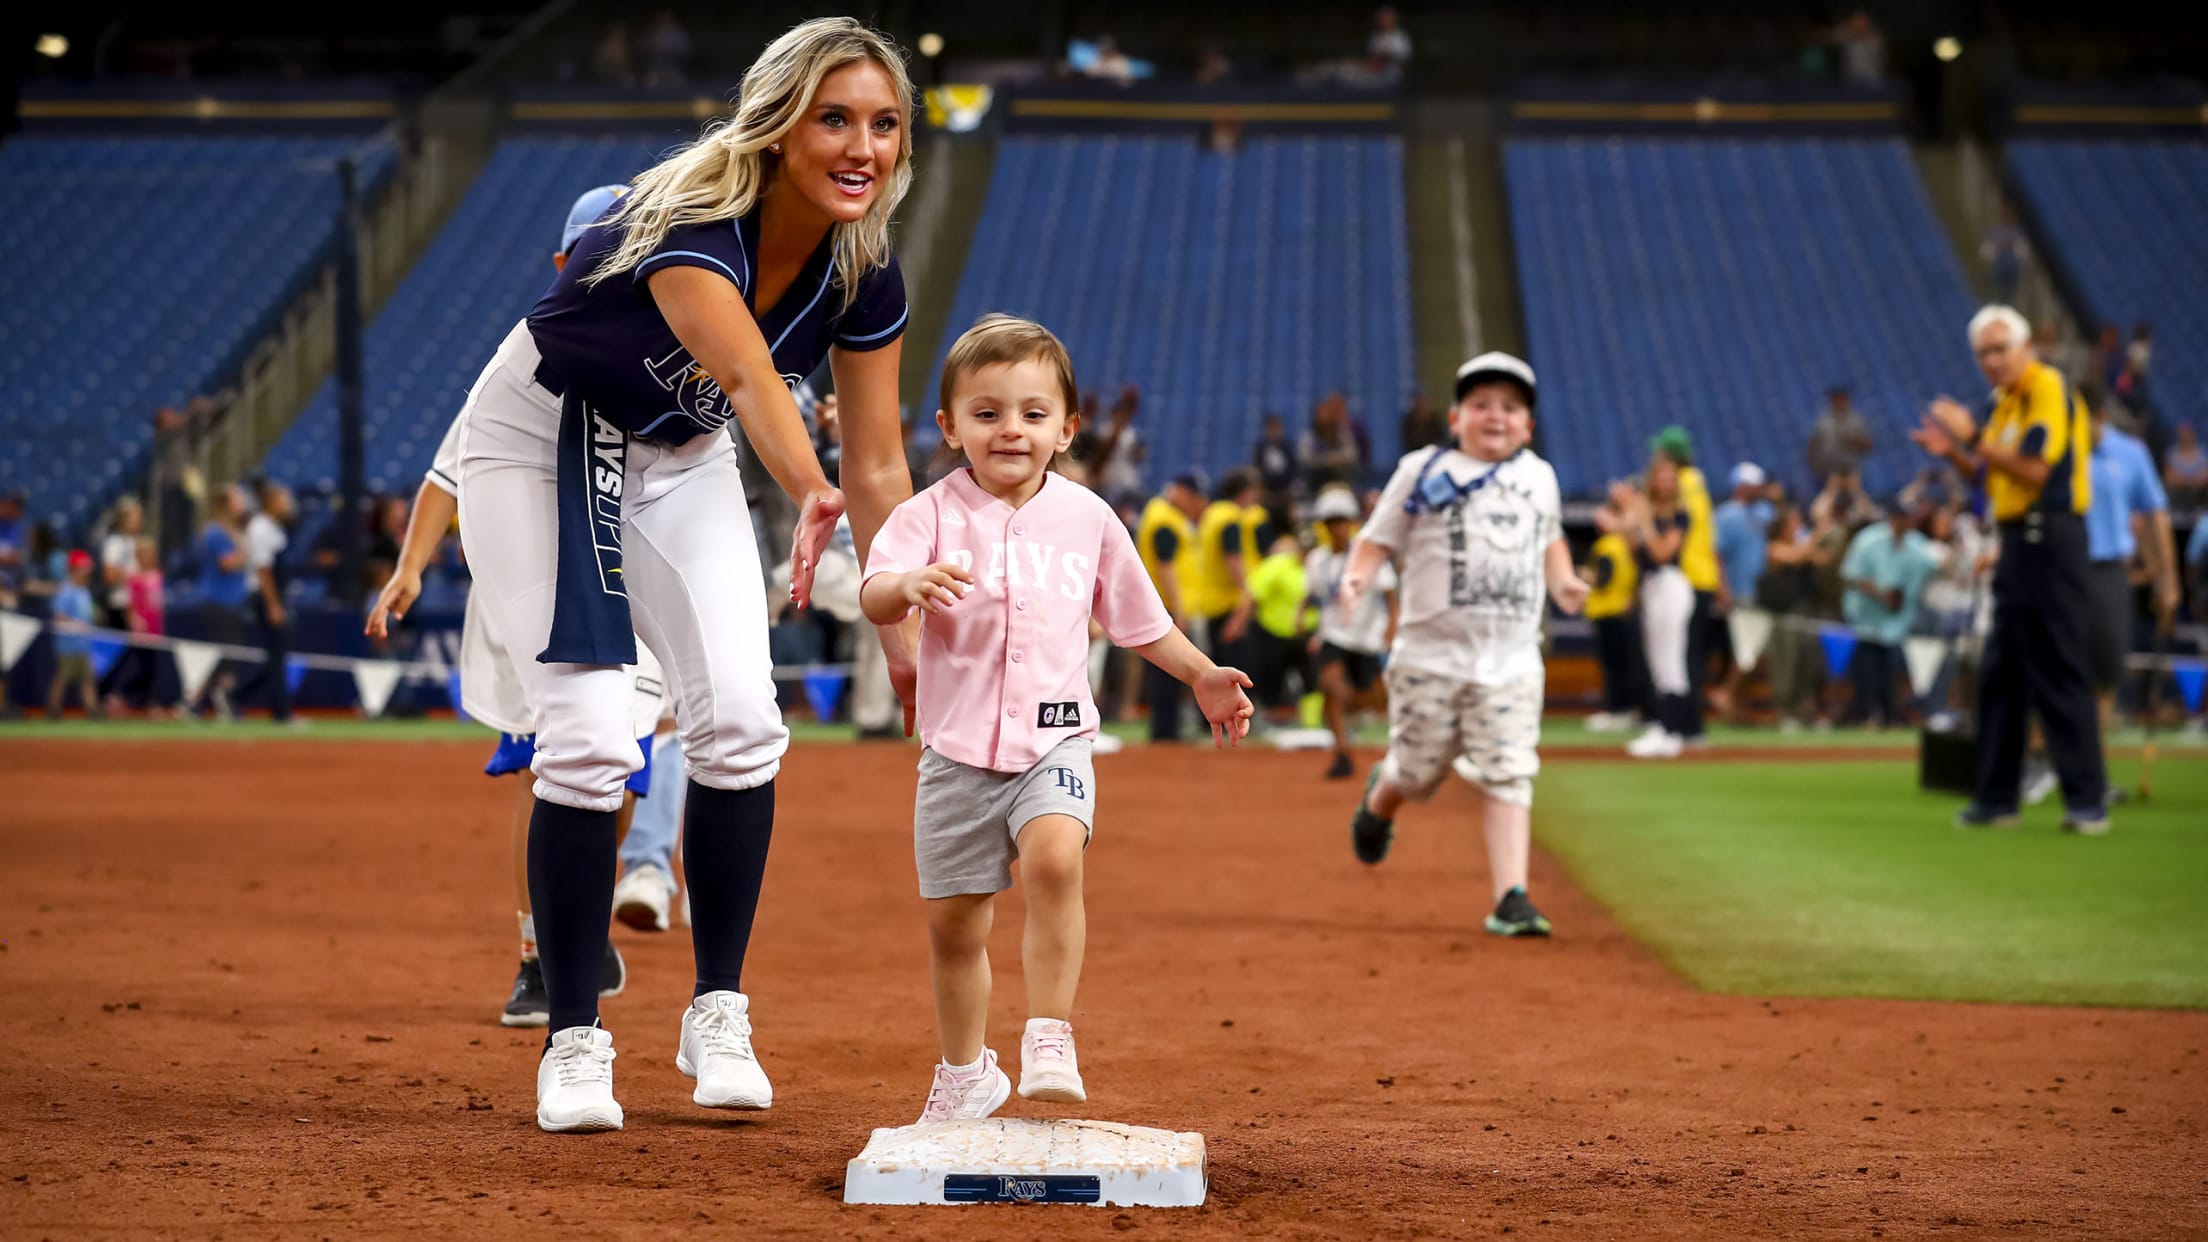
(2126, 491)
(72, 641)
(1887, 565)
(224, 590)
(1742, 529)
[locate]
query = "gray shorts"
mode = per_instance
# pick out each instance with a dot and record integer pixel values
(966, 821)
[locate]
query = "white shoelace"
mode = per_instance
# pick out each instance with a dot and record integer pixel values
(724, 1032)
(578, 1062)
(1053, 1045)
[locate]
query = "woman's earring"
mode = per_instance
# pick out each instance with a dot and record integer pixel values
(775, 147)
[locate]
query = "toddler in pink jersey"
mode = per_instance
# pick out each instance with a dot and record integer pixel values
(1010, 562)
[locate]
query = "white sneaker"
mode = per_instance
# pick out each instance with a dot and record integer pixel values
(1655, 743)
(1610, 722)
(716, 1050)
(1048, 1067)
(1107, 744)
(2039, 783)
(968, 1097)
(575, 1082)
(640, 900)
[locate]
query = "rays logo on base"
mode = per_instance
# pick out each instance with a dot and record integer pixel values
(994, 1188)
(1058, 716)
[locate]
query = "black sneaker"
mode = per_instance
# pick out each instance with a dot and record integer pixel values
(1976, 816)
(1369, 834)
(528, 1006)
(1515, 916)
(1342, 768)
(613, 974)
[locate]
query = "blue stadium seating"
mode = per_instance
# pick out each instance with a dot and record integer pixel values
(143, 270)
(487, 267)
(1224, 287)
(1724, 285)
(2127, 223)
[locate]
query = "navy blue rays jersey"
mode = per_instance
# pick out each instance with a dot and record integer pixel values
(609, 343)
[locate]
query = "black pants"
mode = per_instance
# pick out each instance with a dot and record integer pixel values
(1698, 662)
(1166, 695)
(274, 678)
(1624, 678)
(1873, 671)
(2037, 663)
(1275, 659)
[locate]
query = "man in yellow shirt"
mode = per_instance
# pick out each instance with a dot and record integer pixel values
(2034, 447)
(1164, 539)
(1230, 538)
(1614, 580)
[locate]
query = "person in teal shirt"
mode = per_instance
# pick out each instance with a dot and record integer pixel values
(1885, 571)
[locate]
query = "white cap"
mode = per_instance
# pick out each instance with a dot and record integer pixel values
(1494, 365)
(1335, 503)
(1748, 474)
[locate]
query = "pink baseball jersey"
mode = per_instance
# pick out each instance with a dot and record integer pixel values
(1004, 672)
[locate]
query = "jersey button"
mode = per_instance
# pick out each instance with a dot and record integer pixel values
(1017, 657)
(1012, 713)
(1022, 605)
(1019, 530)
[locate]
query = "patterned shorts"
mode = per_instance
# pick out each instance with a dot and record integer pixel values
(1433, 719)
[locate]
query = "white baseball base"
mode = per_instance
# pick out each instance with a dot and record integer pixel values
(1002, 1160)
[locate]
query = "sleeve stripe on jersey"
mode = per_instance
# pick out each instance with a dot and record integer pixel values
(875, 336)
(736, 227)
(663, 256)
(444, 483)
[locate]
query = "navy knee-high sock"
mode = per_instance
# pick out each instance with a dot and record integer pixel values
(571, 866)
(724, 856)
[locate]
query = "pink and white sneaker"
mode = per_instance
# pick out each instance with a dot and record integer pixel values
(970, 1096)
(1048, 1068)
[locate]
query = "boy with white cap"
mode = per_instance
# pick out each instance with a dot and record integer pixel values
(1479, 528)
(1349, 644)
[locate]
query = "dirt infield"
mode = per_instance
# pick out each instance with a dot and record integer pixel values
(252, 991)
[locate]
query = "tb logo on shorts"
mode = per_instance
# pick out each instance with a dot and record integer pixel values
(1069, 784)
(1058, 716)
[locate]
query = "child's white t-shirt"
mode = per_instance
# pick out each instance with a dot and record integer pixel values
(1474, 591)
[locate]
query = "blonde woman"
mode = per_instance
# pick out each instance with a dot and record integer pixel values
(601, 493)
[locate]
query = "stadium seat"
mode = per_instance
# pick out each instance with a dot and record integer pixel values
(1224, 287)
(1725, 285)
(2124, 221)
(146, 268)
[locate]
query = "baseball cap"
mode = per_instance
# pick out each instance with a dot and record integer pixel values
(586, 211)
(1748, 474)
(1494, 366)
(1193, 480)
(1675, 443)
(79, 559)
(1335, 503)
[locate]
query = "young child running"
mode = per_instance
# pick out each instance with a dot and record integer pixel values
(1480, 532)
(1010, 563)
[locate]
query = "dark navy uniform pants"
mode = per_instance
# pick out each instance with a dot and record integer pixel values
(2038, 662)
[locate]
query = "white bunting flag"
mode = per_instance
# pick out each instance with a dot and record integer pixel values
(16, 633)
(1924, 657)
(195, 663)
(1751, 628)
(375, 679)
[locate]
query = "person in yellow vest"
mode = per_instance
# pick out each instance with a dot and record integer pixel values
(1614, 578)
(2034, 447)
(1165, 540)
(1284, 623)
(1231, 534)
(1698, 561)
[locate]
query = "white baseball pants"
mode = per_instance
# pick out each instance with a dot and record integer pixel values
(696, 594)
(1667, 609)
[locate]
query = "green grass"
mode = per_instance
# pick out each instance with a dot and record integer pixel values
(1841, 878)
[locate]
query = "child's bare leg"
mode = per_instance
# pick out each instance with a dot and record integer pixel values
(1509, 829)
(624, 817)
(525, 804)
(1057, 920)
(1334, 684)
(958, 960)
(1383, 798)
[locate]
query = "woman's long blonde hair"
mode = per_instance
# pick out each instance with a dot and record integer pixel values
(723, 174)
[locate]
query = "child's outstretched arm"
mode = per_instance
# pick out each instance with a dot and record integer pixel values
(1218, 690)
(1365, 556)
(888, 598)
(1566, 587)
